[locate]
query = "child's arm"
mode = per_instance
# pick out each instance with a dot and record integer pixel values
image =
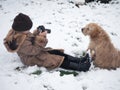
(40, 38)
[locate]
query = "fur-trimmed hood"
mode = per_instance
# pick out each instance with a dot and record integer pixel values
(13, 40)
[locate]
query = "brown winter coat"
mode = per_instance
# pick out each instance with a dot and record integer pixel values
(30, 53)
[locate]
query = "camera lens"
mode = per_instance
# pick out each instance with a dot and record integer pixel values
(48, 30)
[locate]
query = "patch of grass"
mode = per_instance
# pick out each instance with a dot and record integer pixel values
(37, 72)
(62, 73)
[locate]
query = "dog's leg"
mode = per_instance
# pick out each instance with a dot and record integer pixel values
(93, 54)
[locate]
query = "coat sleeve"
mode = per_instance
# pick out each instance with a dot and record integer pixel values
(28, 48)
(40, 40)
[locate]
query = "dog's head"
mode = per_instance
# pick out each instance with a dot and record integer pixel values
(91, 29)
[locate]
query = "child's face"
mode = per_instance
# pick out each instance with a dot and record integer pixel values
(25, 32)
(43, 33)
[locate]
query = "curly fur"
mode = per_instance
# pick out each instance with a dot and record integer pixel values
(105, 54)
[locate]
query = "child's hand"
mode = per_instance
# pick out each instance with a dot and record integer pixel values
(43, 33)
(41, 39)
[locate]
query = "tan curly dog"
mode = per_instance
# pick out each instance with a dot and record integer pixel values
(105, 54)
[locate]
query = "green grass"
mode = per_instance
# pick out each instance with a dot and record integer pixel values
(62, 73)
(37, 72)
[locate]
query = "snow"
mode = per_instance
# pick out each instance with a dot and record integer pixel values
(65, 21)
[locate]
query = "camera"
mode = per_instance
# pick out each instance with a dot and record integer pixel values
(41, 28)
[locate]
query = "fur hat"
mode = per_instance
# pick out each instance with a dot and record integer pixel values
(22, 22)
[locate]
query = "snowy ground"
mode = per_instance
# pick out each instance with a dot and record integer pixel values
(65, 20)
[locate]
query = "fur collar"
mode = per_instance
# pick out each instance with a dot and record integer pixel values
(14, 40)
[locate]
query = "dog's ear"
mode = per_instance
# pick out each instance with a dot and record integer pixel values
(95, 33)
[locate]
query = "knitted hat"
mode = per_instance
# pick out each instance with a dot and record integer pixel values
(22, 22)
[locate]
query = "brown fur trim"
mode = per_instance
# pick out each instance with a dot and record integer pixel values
(9, 35)
(19, 37)
(61, 62)
(35, 32)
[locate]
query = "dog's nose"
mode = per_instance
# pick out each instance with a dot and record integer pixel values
(82, 29)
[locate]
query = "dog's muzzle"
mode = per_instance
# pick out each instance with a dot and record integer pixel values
(82, 29)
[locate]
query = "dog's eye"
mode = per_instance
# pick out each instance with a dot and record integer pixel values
(87, 28)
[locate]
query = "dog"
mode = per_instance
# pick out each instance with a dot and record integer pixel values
(103, 52)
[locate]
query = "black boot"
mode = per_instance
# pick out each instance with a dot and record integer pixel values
(85, 58)
(68, 57)
(77, 60)
(73, 59)
(73, 63)
(80, 66)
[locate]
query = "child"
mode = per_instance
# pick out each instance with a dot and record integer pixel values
(32, 51)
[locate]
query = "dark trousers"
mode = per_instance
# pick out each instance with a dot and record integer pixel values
(66, 61)
(73, 63)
